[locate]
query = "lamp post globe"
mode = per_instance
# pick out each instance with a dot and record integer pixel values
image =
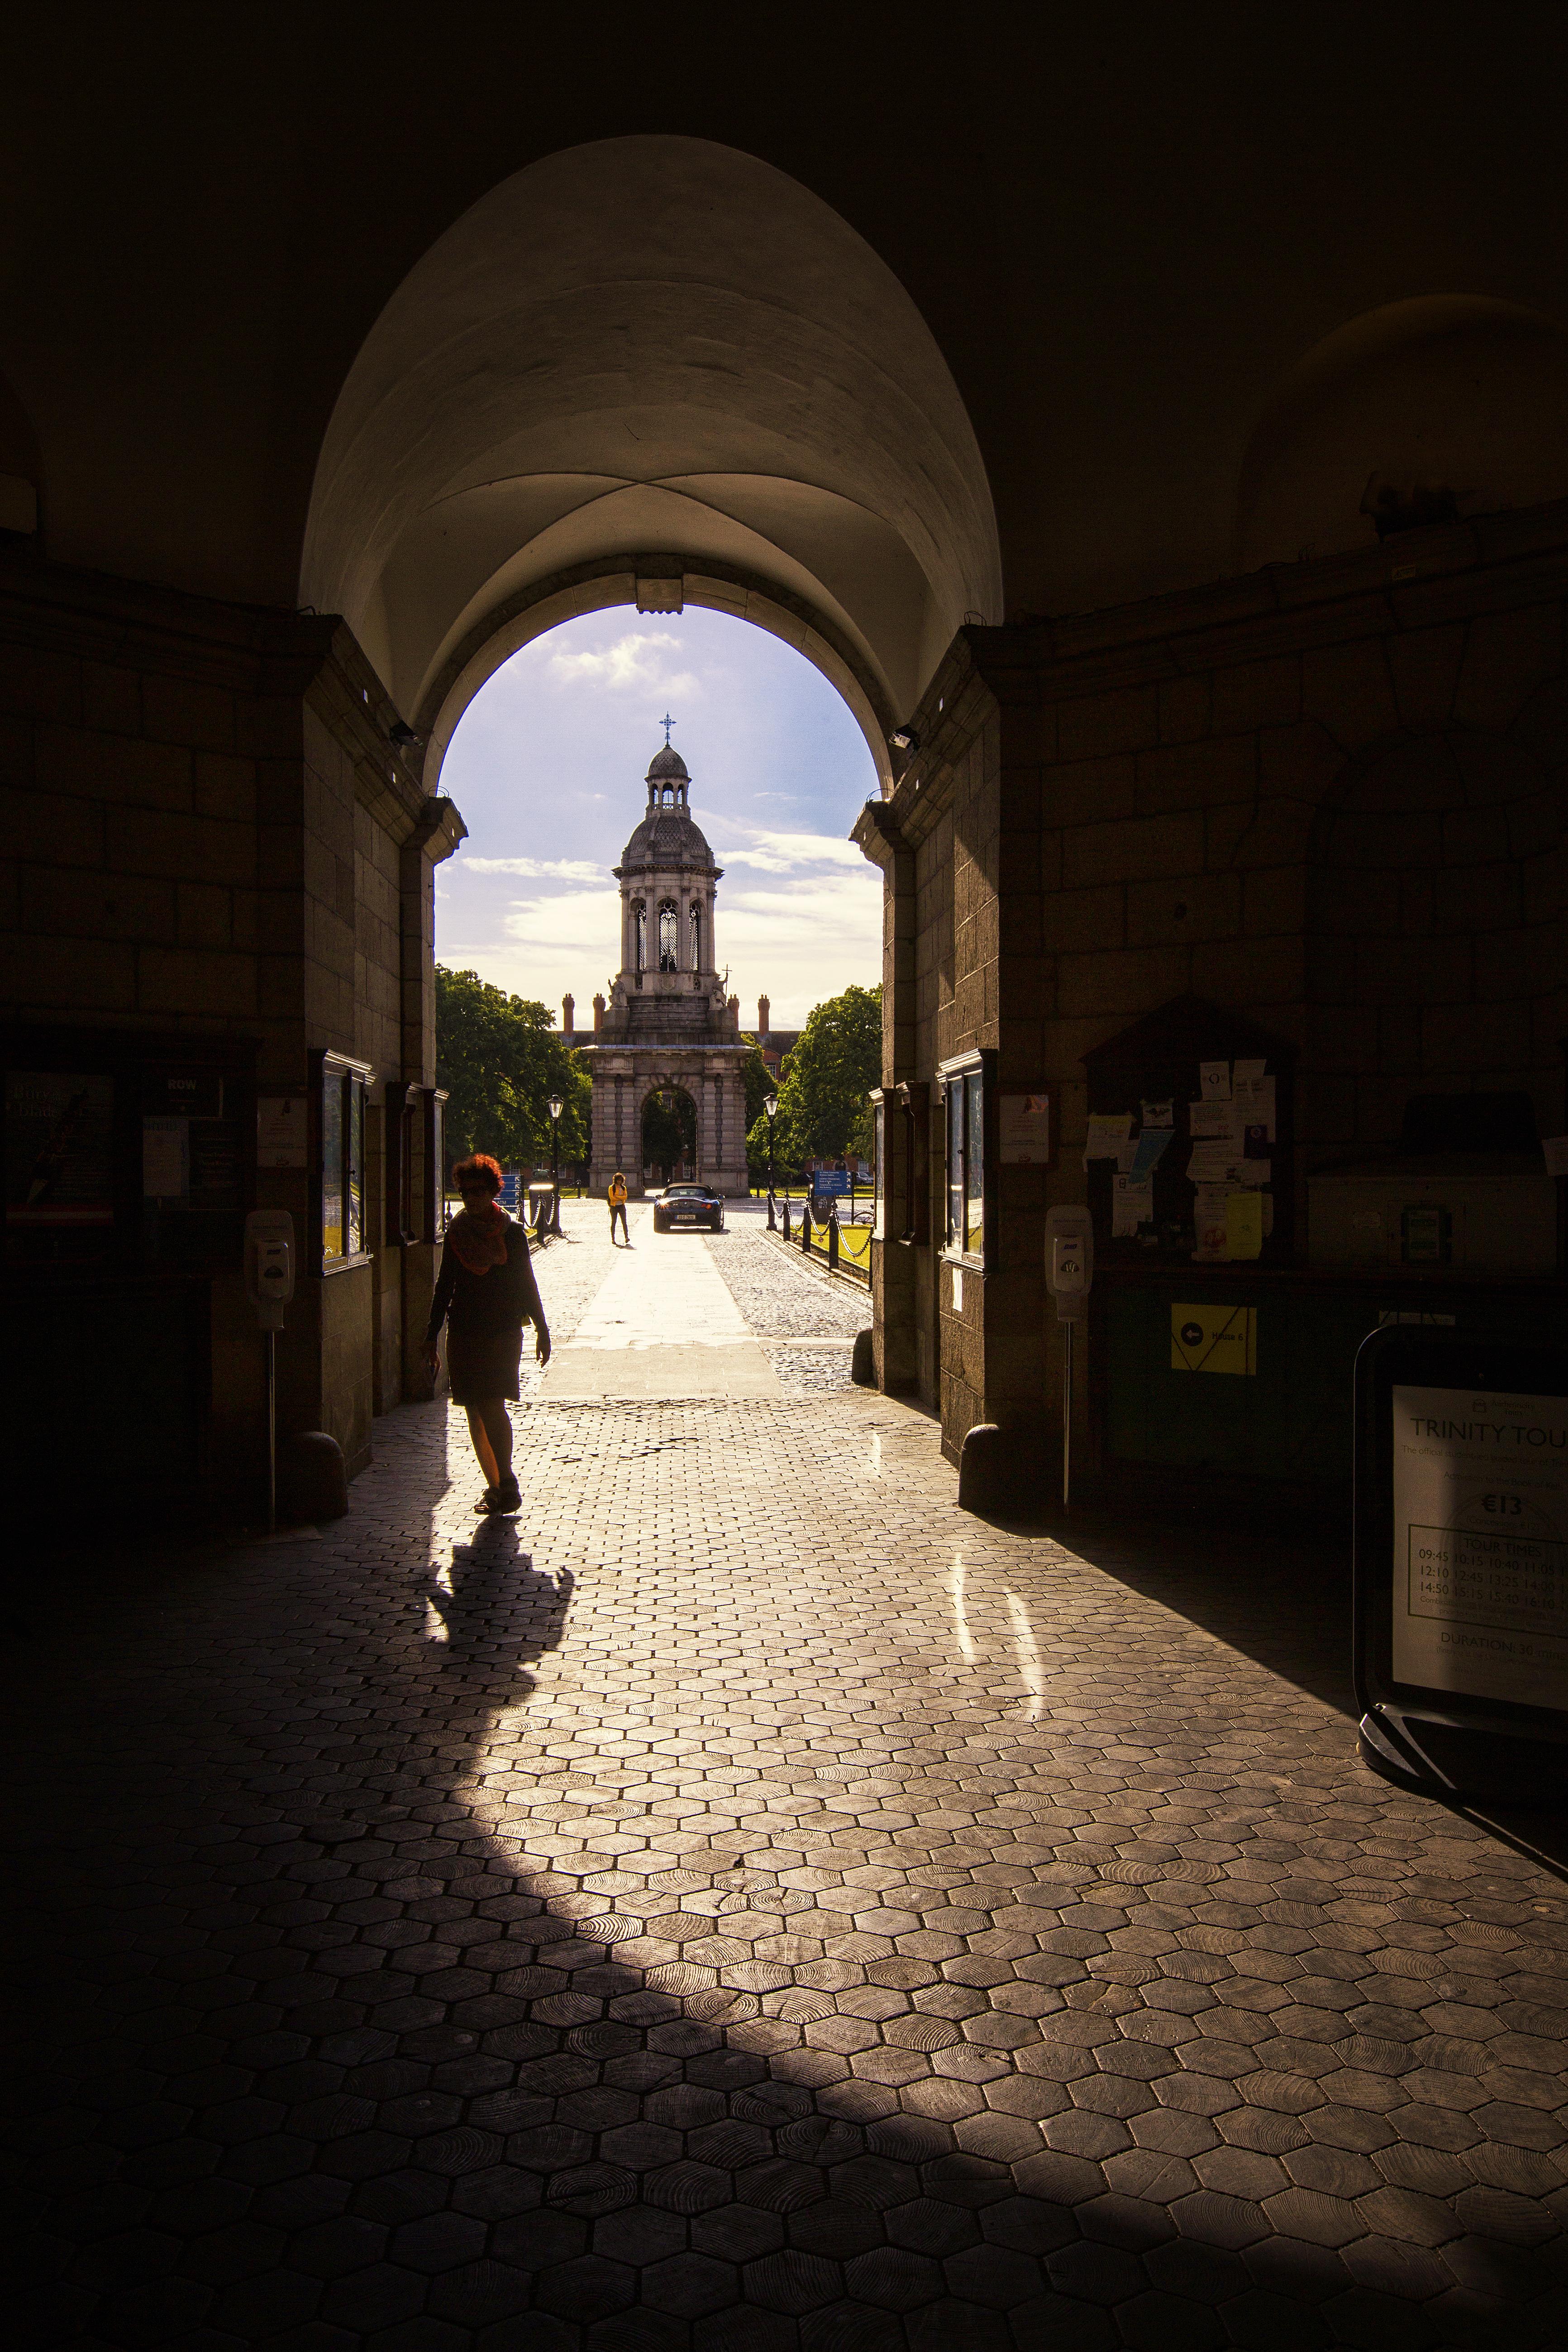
(554, 1106)
(770, 1109)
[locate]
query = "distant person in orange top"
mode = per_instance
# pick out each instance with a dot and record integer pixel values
(486, 1287)
(618, 1207)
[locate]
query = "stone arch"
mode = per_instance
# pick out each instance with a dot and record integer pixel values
(684, 1109)
(1436, 946)
(1422, 411)
(650, 343)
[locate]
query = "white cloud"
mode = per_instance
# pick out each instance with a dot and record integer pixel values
(633, 660)
(790, 852)
(537, 869)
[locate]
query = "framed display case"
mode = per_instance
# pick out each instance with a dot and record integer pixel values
(338, 1091)
(968, 1083)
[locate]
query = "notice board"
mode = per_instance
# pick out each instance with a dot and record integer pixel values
(1190, 1151)
(1461, 1559)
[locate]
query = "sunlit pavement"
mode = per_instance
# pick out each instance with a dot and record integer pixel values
(750, 1903)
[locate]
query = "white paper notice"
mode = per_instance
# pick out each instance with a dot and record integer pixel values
(280, 1130)
(1107, 1131)
(1210, 1231)
(1254, 1100)
(1211, 1163)
(1213, 1081)
(1132, 1205)
(1216, 1122)
(166, 1159)
(1248, 1070)
(1480, 1559)
(1024, 1131)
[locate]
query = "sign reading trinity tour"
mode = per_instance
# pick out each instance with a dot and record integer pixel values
(1462, 1564)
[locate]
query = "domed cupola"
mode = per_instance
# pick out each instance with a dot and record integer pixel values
(668, 877)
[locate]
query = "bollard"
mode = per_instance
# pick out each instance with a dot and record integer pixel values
(833, 1237)
(805, 1225)
(773, 1218)
(786, 1231)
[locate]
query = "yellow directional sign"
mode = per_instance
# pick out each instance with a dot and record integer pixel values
(1213, 1338)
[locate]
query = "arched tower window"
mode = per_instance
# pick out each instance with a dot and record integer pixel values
(639, 935)
(669, 936)
(696, 937)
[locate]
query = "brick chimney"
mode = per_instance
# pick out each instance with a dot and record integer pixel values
(763, 1009)
(734, 1009)
(598, 1014)
(568, 1013)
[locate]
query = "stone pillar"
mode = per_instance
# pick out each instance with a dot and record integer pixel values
(894, 1261)
(434, 838)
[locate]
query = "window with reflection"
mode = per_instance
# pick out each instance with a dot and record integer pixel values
(967, 1084)
(342, 1129)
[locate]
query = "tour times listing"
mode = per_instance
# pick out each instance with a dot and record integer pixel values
(1480, 1563)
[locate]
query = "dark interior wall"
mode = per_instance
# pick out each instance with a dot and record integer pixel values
(1122, 236)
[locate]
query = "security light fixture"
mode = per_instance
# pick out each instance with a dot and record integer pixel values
(401, 734)
(904, 738)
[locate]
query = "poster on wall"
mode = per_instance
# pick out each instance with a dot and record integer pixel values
(1480, 1543)
(60, 1136)
(1024, 1131)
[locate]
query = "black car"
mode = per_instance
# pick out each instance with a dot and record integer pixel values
(688, 1204)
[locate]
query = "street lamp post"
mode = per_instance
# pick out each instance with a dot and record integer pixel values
(554, 1107)
(770, 1109)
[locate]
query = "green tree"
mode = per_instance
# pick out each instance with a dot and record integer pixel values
(823, 1112)
(500, 1063)
(760, 1082)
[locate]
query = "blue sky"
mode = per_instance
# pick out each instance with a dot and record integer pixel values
(547, 768)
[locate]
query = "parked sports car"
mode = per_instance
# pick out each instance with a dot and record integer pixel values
(688, 1204)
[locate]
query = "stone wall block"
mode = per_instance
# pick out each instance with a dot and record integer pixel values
(1136, 851)
(111, 698)
(1280, 834)
(1330, 969)
(1091, 920)
(67, 975)
(1348, 690)
(1344, 1038)
(1299, 763)
(1424, 666)
(1441, 971)
(1017, 799)
(224, 787)
(1125, 719)
(121, 768)
(1185, 709)
(1224, 830)
(148, 841)
(1325, 1110)
(187, 981)
(51, 830)
(1131, 980)
(187, 711)
(1250, 972)
(38, 683)
(1198, 775)
(1250, 695)
(1087, 790)
(1508, 657)
(60, 901)
(205, 915)
(1487, 898)
(1173, 914)
(1514, 964)
(1399, 1036)
(1543, 723)
(1546, 886)
(1274, 900)
(1475, 1038)
(18, 763)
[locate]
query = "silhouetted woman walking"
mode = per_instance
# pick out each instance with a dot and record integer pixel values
(487, 1289)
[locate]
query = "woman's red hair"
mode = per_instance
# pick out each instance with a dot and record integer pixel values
(480, 1170)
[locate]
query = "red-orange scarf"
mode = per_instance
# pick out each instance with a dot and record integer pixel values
(479, 1238)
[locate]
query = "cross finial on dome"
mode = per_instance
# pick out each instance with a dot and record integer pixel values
(666, 722)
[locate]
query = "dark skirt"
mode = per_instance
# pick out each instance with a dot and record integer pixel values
(483, 1366)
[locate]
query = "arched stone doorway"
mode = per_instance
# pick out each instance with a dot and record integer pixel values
(650, 370)
(669, 1130)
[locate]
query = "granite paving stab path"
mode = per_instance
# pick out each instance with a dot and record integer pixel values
(749, 1904)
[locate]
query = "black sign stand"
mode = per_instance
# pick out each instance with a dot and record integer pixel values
(1461, 1565)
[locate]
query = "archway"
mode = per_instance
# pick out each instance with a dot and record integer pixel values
(669, 1135)
(650, 370)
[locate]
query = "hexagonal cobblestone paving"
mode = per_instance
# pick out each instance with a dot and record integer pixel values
(747, 1905)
